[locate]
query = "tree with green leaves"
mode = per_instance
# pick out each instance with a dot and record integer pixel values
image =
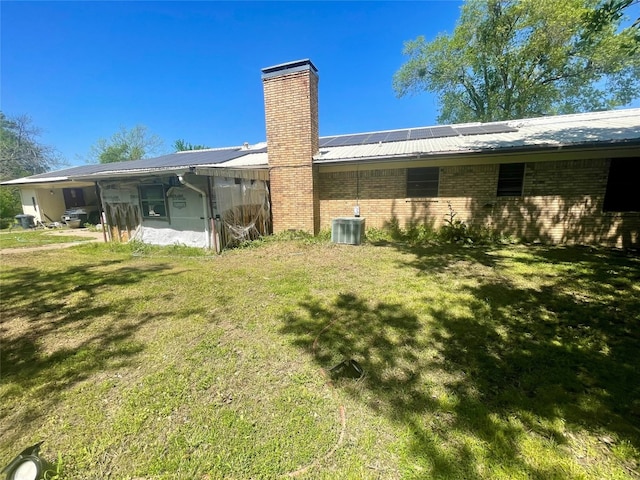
(10, 205)
(613, 11)
(182, 146)
(126, 145)
(511, 59)
(21, 153)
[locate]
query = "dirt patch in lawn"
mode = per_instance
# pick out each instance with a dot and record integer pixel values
(83, 236)
(81, 232)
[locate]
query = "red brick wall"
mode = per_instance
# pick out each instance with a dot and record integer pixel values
(291, 110)
(561, 203)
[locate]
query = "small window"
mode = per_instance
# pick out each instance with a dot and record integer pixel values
(622, 186)
(510, 180)
(423, 182)
(152, 201)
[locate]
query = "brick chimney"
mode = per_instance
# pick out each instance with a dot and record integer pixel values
(291, 111)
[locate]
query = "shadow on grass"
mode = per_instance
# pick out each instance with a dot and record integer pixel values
(535, 343)
(58, 330)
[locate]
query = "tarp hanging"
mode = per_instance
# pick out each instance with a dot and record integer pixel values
(243, 208)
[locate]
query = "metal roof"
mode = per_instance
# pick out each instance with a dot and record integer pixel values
(171, 162)
(585, 129)
(576, 130)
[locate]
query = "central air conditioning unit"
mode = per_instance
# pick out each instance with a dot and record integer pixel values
(349, 230)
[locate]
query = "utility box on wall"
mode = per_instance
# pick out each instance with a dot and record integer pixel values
(348, 230)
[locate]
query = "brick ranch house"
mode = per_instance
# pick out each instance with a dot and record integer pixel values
(556, 179)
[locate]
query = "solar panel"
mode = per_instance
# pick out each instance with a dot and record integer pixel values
(439, 132)
(470, 130)
(414, 134)
(356, 139)
(338, 142)
(335, 142)
(397, 136)
(361, 139)
(420, 133)
(499, 128)
(325, 141)
(486, 129)
(435, 132)
(365, 138)
(378, 137)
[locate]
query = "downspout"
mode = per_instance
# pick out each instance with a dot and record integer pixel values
(205, 210)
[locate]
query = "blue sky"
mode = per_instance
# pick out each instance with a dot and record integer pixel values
(191, 70)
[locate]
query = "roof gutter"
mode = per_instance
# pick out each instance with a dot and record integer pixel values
(205, 210)
(115, 174)
(258, 172)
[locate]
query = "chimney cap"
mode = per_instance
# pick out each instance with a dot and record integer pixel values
(289, 67)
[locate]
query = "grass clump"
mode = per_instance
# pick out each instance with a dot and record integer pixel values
(453, 231)
(300, 236)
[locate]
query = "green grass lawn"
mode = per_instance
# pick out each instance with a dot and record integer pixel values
(480, 363)
(19, 238)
